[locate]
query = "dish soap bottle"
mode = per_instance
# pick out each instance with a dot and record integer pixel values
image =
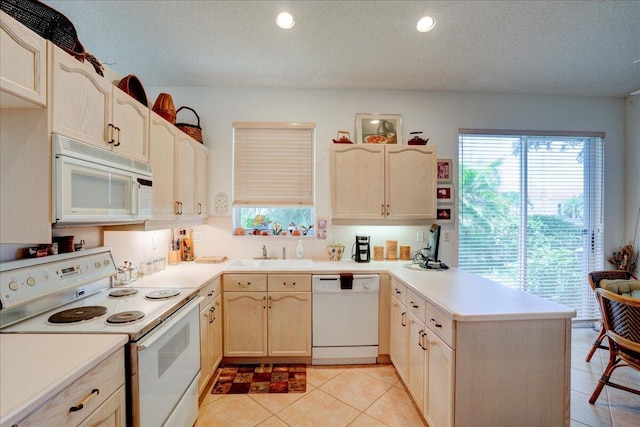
(300, 250)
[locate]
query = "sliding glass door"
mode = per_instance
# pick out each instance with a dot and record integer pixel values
(531, 213)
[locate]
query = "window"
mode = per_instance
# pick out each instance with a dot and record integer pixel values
(273, 178)
(531, 213)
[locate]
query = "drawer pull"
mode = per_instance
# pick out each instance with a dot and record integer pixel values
(288, 283)
(434, 322)
(244, 283)
(397, 291)
(413, 304)
(403, 318)
(78, 407)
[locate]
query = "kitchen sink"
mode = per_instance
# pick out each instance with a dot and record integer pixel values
(270, 264)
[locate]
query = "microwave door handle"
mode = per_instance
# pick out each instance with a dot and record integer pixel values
(135, 196)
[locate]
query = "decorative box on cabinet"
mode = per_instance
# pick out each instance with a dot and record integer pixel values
(87, 107)
(386, 183)
(23, 69)
(267, 315)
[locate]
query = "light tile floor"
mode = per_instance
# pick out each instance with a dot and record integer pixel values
(373, 395)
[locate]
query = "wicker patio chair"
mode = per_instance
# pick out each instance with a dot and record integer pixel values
(621, 323)
(594, 281)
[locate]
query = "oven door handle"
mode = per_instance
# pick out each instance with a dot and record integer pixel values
(184, 310)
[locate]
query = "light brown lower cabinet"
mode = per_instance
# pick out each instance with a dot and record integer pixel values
(480, 372)
(210, 332)
(267, 315)
(423, 361)
(95, 399)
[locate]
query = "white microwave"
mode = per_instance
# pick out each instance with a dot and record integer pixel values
(91, 185)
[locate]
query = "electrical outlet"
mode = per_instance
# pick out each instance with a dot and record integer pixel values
(197, 237)
(445, 236)
(154, 242)
(420, 236)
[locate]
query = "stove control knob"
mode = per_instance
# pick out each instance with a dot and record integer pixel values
(106, 262)
(98, 264)
(31, 281)
(14, 286)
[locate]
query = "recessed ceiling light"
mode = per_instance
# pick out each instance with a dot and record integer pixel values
(285, 21)
(426, 23)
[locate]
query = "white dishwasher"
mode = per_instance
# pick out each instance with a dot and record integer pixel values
(345, 319)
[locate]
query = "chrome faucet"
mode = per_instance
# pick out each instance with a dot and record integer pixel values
(264, 252)
(284, 252)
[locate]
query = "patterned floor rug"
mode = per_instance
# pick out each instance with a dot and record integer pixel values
(241, 379)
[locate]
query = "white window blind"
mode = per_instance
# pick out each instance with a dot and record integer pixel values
(273, 164)
(531, 213)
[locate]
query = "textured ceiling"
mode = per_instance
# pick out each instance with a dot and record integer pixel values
(583, 48)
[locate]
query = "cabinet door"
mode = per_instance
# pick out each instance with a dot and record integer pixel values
(25, 187)
(205, 348)
(410, 182)
(438, 404)
(112, 413)
(416, 363)
(245, 324)
(399, 339)
(80, 101)
(164, 137)
(202, 160)
(23, 69)
(357, 181)
(215, 333)
(290, 324)
(186, 175)
(132, 121)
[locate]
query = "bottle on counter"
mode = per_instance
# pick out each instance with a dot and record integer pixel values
(300, 250)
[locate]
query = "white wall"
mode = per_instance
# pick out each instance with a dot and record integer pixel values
(438, 114)
(632, 168)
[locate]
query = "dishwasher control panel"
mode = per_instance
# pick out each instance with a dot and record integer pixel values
(345, 283)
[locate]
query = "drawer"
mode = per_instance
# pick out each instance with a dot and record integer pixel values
(441, 324)
(399, 291)
(416, 305)
(289, 282)
(245, 282)
(106, 378)
(209, 291)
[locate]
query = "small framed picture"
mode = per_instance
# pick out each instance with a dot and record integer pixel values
(444, 170)
(444, 215)
(378, 128)
(444, 193)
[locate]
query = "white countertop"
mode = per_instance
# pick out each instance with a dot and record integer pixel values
(35, 367)
(465, 296)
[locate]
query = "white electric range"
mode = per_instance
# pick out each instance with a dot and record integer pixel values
(72, 293)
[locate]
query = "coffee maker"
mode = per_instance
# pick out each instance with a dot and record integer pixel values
(361, 249)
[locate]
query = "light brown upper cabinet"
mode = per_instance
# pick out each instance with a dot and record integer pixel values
(89, 108)
(23, 69)
(383, 184)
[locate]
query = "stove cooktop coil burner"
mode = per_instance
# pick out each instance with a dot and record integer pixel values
(125, 317)
(78, 314)
(121, 293)
(162, 294)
